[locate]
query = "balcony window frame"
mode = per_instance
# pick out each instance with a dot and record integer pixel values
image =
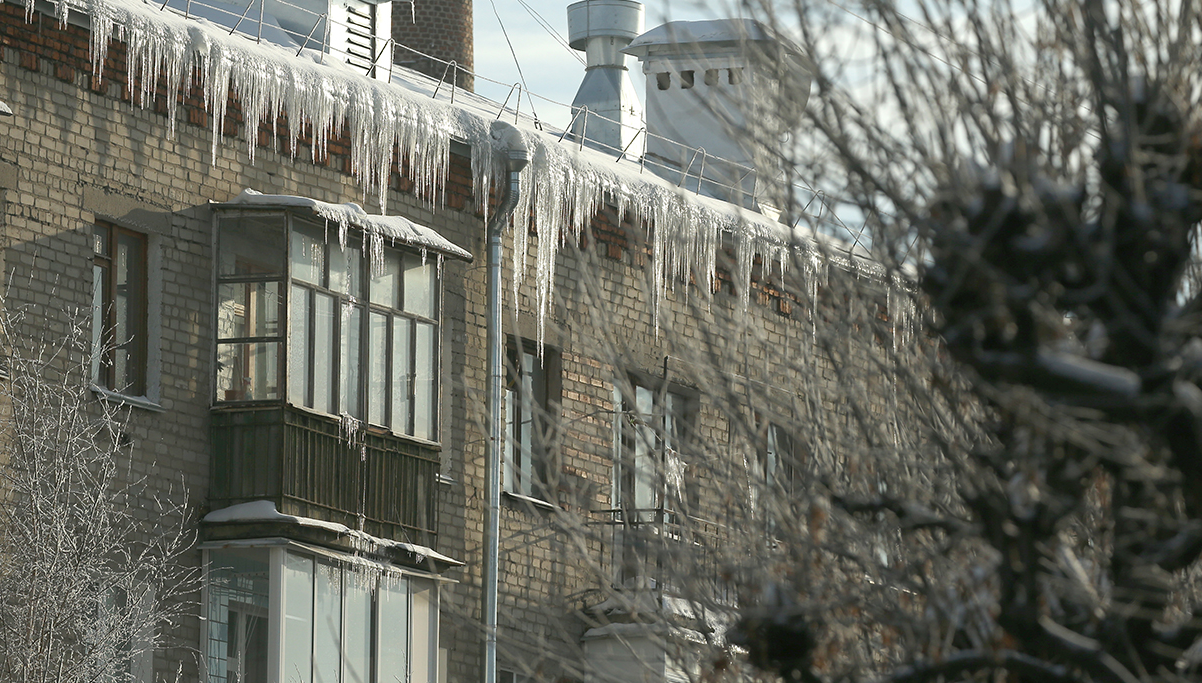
(265, 595)
(424, 326)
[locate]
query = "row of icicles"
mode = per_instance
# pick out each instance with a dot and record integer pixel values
(562, 188)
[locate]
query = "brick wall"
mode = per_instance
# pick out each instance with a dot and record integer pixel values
(437, 28)
(80, 148)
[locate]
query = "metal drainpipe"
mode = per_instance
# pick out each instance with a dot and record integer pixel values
(507, 141)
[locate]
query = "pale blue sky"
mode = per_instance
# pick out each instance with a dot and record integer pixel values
(550, 69)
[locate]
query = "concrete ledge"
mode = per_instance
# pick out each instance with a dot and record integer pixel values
(126, 210)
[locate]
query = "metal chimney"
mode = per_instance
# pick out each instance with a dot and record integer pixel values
(601, 29)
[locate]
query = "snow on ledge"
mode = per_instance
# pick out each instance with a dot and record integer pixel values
(264, 511)
(395, 228)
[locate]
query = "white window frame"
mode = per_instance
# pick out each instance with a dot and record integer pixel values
(423, 595)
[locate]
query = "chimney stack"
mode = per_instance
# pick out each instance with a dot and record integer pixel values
(601, 29)
(441, 29)
(731, 87)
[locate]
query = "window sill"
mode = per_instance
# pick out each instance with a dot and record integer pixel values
(536, 502)
(132, 401)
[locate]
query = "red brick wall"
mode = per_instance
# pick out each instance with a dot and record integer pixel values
(439, 28)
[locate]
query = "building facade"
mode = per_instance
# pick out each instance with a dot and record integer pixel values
(315, 372)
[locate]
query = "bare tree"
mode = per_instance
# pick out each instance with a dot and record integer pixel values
(971, 456)
(90, 570)
(1037, 166)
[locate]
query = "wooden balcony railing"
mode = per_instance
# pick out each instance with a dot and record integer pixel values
(305, 465)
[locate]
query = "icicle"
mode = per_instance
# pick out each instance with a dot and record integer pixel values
(562, 189)
(349, 428)
(375, 251)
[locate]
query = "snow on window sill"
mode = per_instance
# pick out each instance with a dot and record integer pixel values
(133, 401)
(536, 502)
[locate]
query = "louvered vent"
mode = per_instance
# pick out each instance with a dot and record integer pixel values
(361, 33)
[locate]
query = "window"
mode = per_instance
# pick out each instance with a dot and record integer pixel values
(649, 472)
(119, 309)
(237, 605)
(531, 406)
(361, 329)
(778, 482)
(778, 461)
(686, 79)
(335, 620)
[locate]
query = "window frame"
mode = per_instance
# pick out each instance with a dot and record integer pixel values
(363, 305)
(779, 454)
(275, 614)
(666, 507)
(105, 313)
(777, 476)
(527, 468)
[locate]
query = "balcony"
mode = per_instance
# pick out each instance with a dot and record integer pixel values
(305, 465)
(649, 549)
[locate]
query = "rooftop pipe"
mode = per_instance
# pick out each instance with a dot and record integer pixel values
(600, 29)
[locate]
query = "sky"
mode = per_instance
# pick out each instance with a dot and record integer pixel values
(551, 70)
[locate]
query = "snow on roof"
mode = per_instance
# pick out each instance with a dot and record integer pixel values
(689, 32)
(640, 630)
(562, 187)
(265, 511)
(395, 228)
(691, 36)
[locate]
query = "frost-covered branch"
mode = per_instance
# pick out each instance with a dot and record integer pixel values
(91, 572)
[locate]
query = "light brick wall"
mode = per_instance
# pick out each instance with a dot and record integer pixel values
(80, 149)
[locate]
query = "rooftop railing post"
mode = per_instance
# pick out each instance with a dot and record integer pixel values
(244, 13)
(305, 42)
(517, 108)
(453, 67)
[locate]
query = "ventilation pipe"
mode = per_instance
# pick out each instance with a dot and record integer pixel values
(601, 29)
(507, 143)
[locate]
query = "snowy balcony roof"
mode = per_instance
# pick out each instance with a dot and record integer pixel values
(264, 511)
(397, 229)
